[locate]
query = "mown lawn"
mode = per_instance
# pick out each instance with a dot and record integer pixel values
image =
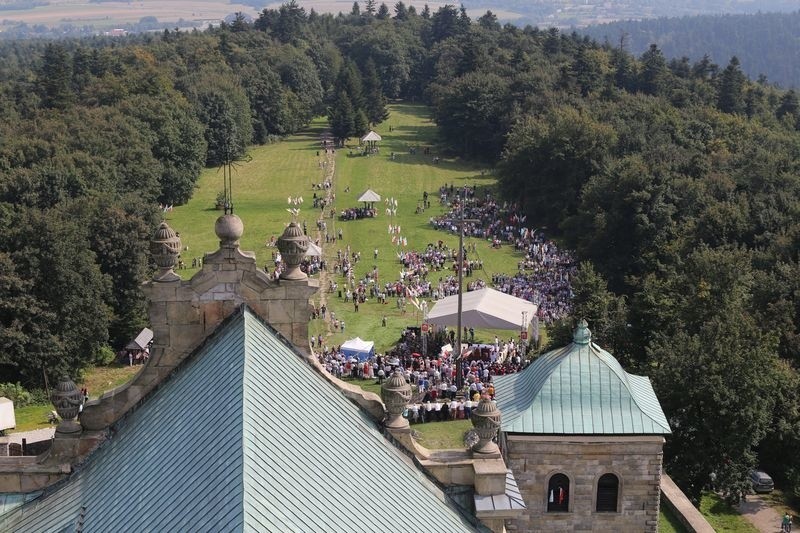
(289, 168)
(443, 435)
(722, 517)
(667, 523)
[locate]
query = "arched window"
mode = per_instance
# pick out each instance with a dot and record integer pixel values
(607, 493)
(558, 494)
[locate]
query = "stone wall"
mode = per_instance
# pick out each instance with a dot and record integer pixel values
(184, 313)
(636, 461)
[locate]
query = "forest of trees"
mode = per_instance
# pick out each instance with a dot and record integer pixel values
(765, 43)
(676, 183)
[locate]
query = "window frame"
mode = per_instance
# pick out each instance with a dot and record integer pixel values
(596, 491)
(570, 485)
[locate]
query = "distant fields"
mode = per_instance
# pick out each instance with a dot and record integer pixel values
(288, 168)
(108, 15)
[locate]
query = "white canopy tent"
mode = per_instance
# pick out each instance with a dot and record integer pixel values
(369, 196)
(313, 250)
(485, 308)
(358, 348)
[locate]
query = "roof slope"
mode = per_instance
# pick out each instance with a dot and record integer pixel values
(484, 308)
(369, 196)
(141, 341)
(579, 390)
(371, 136)
(216, 448)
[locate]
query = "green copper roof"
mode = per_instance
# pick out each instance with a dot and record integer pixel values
(579, 390)
(245, 437)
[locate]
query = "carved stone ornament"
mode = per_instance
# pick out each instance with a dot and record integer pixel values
(67, 400)
(293, 245)
(165, 249)
(229, 228)
(486, 421)
(396, 394)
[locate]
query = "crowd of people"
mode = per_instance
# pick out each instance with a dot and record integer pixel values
(543, 277)
(437, 396)
(357, 213)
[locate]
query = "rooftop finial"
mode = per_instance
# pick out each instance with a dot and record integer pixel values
(583, 335)
(293, 245)
(165, 248)
(229, 228)
(67, 400)
(396, 393)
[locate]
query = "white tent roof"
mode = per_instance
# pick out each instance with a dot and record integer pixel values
(486, 308)
(371, 136)
(369, 196)
(359, 344)
(313, 250)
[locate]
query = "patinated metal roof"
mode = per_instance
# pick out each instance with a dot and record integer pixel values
(245, 437)
(579, 390)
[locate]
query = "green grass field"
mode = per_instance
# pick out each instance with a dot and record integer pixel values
(289, 168)
(667, 523)
(723, 517)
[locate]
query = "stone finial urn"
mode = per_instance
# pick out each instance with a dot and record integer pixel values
(486, 421)
(396, 394)
(165, 247)
(67, 400)
(293, 245)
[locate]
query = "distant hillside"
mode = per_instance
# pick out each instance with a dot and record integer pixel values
(765, 43)
(581, 13)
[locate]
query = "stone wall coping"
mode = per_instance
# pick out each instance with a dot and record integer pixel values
(588, 439)
(449, 457)
(682, 508)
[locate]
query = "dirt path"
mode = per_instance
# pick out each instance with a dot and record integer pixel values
(328, 175)
(762, 516)
(34, 435)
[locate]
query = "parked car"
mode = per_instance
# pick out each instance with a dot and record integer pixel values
(761, 481)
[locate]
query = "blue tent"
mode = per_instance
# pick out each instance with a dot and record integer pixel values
(361, 349)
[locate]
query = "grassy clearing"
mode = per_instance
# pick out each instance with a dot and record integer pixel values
(722, 517)
(443, 435)
(289, 168)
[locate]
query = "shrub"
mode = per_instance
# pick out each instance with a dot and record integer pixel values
(104, 356)
(21, 397)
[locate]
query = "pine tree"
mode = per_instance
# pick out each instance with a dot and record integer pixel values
(383, 12)
(789, 105)
(400, 11)
(731, 88)
(654, 71)
(374, 101)
(360, 123)
(342, 117)
(55, 77)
